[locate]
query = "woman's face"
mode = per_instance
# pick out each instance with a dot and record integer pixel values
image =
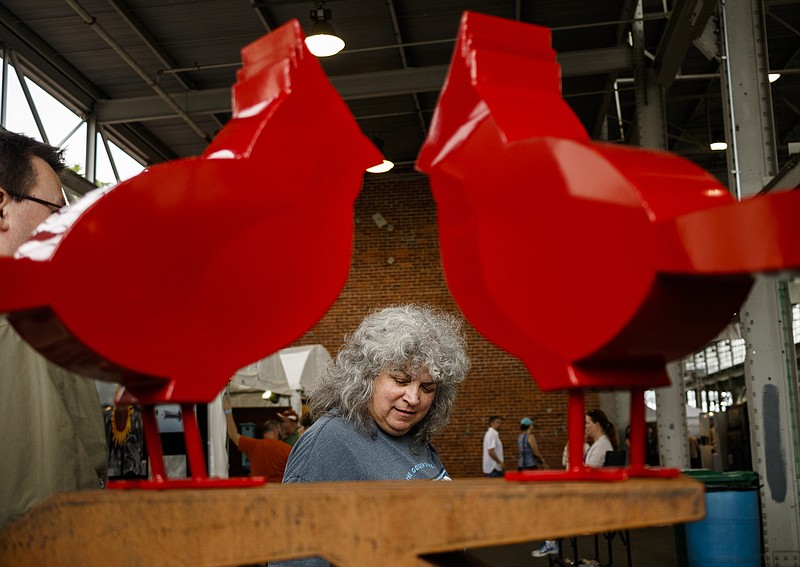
(401, 399)
(593, 429)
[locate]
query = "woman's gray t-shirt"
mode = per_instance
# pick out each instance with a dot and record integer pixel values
(334, 450)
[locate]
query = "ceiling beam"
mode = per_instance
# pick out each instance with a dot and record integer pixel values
(686, 23)
(350, 87)
(263, 14)
(787, 178)
(147, 38)
(600, 129)
(112, 42)
(47, 65)
(70, 86)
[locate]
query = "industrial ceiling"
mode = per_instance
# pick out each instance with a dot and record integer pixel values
(156, 74)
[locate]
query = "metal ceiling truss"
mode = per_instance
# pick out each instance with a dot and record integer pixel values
(119, 117)
(124, 120)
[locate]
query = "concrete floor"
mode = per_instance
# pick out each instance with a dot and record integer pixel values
(650, 547)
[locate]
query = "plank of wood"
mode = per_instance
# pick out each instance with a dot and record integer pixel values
(350, 523)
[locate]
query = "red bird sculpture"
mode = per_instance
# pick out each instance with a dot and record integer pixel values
(593, 263)
(197, 267)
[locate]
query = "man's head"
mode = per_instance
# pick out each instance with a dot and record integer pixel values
(289, 421)
(30, 189)
(495, 421)
(271, 429)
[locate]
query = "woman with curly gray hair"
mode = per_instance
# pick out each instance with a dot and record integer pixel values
(390, 388)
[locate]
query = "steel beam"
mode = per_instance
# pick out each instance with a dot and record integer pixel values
(51, 68)
(350, 87)
(770, 364)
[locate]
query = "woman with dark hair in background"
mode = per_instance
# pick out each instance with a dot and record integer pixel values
(603, 436)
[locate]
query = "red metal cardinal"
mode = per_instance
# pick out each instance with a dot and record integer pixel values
(197, 267)
(593, 263)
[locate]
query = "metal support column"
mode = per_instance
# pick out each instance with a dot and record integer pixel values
(651, 132)
(770, 364)
(617, 406)
(650, 117)
(673, 434)
(91, 147)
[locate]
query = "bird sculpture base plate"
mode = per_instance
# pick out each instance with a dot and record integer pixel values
(575, 473)
(604, 474)
(186, 483)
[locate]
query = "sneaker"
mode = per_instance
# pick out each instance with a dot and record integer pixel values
(548, 548)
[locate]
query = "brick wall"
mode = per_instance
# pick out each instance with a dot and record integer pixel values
(399, 263)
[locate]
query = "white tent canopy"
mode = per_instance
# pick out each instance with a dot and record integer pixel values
(290, 370)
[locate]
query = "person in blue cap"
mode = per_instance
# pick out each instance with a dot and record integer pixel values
(528, 450)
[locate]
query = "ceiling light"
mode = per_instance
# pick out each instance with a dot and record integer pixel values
(266, 395)
(385, 165)
(382, 167)
(718, 146)
(322, 40)
(774, 77)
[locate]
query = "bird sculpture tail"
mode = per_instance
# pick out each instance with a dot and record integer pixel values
(758, 234)
(485, 80)
(283, 87)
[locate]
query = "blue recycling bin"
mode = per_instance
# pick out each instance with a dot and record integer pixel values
(730, 534)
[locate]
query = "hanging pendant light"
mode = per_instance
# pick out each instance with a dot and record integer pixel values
(385, 165)
(322, 40)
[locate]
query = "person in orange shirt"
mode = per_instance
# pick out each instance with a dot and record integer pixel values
(267, 455)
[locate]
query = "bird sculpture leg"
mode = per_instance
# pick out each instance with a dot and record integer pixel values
(152, 438)
(194, 446)
(576, 469)
(636, 464)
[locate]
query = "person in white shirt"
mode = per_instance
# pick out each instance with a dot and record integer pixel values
(603, 436)
(493, 463)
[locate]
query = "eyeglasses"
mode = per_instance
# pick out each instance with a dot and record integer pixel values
(42, 202)
(53, 206)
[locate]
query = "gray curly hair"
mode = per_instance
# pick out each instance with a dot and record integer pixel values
(408, 337)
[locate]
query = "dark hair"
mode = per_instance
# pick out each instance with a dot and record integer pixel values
(598, 416)
(493, 417)
(269, 425)
(17, 174)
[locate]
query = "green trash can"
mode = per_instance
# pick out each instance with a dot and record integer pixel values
(730, 534)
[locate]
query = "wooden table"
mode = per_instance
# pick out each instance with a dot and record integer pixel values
(352, 524)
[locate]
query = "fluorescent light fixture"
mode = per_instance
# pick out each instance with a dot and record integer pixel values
(774, 77)
(718, 146)
(266, 395)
